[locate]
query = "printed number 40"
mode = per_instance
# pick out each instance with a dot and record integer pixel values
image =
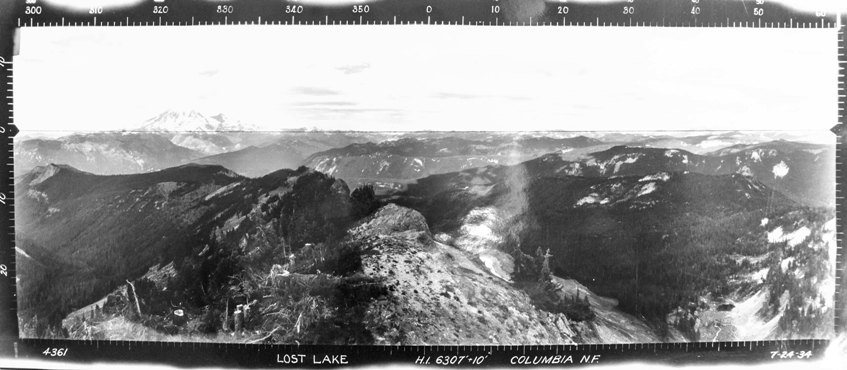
(55, 352)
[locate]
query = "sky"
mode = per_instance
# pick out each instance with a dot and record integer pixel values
(406, 78)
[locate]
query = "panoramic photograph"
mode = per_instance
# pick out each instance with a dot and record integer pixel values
(370, 196)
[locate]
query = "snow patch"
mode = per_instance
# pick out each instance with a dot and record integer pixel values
(798, 236)
(22, 252)
(590, 199)
(765, 222)
(748, 323)
(478, 230)
(629, 159)
(221, 190)
(776, 236)
(37, 195)
(829, 225)
(780, 170)
(647, 189)
(760, 275)
(661, 176)
(793, 239)
(45, 174)
(783, 265)
(573, 169)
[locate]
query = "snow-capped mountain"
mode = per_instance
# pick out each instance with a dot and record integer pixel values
(207, 134)
(193, 121)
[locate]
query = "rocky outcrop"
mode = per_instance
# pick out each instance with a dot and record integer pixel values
(437, 294)
(394, 220)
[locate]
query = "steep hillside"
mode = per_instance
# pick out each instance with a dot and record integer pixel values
(803, 172)
(386, 281)
(92, 232)
(632, 238)
(103, 153)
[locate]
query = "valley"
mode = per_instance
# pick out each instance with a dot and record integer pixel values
(403, 238)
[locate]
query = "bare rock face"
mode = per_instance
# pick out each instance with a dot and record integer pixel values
(438, 294)
(394, 220)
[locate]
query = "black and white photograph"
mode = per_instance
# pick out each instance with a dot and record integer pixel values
(425, 186)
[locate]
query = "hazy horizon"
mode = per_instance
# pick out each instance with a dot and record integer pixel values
(524, 79)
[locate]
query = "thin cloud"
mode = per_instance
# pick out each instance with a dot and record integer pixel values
(347, 110)
(354, 68)
(462, 96)
(314, 91)
(209, 73)
(324, 104)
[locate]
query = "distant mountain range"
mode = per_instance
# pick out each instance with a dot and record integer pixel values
(392, 160)
(803, 172)
(105, 153)
(412, 158)
(177, 138)
(287, 150)
(454, 251)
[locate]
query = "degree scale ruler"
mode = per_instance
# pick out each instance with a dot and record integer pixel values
(502, 13)
(637, 13)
